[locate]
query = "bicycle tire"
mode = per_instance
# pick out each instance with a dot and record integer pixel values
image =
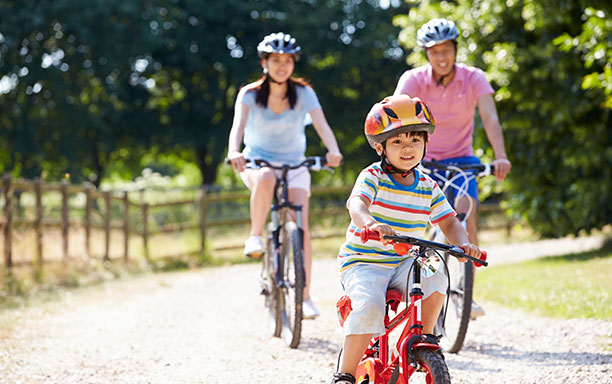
(435, 369)
(291, 294)
(459, 306)
(270, 288)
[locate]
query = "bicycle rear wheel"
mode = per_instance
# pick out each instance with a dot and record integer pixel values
(270, 289)
(455, 328)
(291, 291)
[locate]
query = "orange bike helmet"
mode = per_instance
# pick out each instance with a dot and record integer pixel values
(397, 114)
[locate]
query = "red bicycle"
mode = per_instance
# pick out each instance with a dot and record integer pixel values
(416, 357)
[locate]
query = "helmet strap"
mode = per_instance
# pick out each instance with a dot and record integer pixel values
(389, 168)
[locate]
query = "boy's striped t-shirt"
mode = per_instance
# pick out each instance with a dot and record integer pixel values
(407, 209)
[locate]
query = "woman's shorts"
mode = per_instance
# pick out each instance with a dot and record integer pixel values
(367, 284)
(296, 178)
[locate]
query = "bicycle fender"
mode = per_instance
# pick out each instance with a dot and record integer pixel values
(370, 368)
(343, 309)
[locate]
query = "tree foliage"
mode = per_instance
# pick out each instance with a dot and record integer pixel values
(119, 79)
(90, 88)
(549, 62)
(66, 68)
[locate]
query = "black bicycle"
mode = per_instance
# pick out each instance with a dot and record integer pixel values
(282, 276)
(454, 319)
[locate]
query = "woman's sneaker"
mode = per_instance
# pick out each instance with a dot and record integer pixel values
(254, 247)
(309, 310)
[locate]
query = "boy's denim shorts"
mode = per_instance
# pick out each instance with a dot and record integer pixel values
(366, 284)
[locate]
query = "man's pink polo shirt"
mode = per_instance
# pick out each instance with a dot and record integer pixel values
(453, 107)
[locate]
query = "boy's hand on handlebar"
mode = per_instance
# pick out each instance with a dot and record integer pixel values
(237, 160)
(382, 229)
(471, 250)
(333, 159)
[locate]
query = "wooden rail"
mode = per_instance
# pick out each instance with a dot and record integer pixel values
(102, 203)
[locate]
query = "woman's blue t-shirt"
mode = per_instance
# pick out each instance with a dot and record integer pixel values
(277, 137)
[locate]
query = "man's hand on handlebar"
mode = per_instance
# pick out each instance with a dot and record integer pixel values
(501, 168)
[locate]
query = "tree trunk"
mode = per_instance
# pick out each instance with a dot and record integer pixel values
(207, 170)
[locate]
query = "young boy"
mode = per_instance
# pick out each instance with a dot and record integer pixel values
(391, 197)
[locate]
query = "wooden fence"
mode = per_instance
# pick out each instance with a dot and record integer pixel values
(131, 216)
(100, 202)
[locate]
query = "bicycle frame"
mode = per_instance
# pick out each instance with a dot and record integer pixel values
(278, 216)
(283, 276)
(461, 284)
(377, 366)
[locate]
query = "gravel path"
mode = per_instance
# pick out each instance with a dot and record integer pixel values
(209, 326)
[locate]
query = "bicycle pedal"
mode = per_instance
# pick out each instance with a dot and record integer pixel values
(254, 255)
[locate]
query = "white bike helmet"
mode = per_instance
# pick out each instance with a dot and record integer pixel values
(278, 43)
(436, 31)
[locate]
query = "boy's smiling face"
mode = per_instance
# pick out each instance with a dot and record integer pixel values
(404, 151)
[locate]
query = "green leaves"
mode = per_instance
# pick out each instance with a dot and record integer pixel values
(549, 62)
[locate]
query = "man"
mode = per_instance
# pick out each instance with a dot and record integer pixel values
(453, 91)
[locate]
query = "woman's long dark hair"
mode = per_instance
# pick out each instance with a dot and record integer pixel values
(262, 90)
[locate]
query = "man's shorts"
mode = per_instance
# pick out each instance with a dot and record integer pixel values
(367, 283)
(460, 181)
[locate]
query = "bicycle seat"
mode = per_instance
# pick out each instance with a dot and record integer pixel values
(394, 298)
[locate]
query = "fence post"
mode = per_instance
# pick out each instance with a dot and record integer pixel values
(38, 223)
(64, 191)
(88, 220)
(145, 229)
(203, 192)
(8, 216)
(126, 225)
(107, 215)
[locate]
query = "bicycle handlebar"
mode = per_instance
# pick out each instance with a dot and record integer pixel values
(315, 163)
(402, 244)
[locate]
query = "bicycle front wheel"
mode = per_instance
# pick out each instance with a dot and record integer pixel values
(292, 287)
(455, 327)
(270, 289)
(432, 368)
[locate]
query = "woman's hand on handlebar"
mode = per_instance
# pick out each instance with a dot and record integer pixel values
(333, 159)
(237, 160)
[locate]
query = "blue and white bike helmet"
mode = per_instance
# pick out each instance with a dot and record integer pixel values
(279, 43)
(436, 31)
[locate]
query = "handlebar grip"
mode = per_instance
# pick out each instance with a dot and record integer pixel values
(368, 234)
(483, 257)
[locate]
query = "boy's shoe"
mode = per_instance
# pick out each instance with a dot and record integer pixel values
(343, 378)
(476, 311)
(254, 247)
(309, 310)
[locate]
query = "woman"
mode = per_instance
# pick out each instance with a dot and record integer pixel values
(270, 115)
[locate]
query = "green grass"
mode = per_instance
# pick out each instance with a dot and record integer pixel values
(569, 286)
